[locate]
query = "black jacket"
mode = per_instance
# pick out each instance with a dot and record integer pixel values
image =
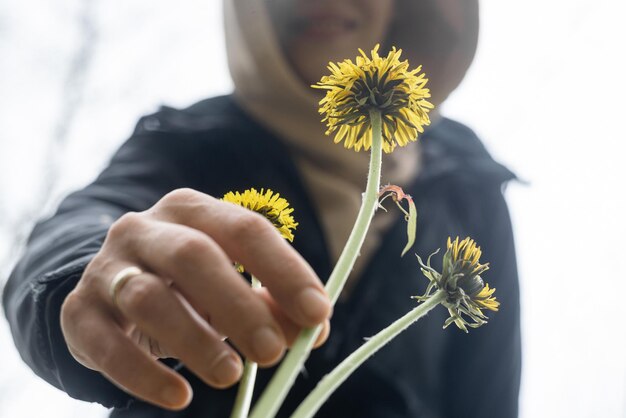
(214, 147)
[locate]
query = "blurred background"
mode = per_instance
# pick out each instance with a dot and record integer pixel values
(546, 93)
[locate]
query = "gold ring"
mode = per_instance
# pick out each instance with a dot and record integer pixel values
(120, 280)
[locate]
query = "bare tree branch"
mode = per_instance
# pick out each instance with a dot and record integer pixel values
(17, 230)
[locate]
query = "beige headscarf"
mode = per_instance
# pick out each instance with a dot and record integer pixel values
(267, 88)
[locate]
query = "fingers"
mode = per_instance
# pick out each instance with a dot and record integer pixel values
(100, 344)
(291, 330)
(252, 240)
(189, 241)
(205, 276)
(136, 372)
(148, 302)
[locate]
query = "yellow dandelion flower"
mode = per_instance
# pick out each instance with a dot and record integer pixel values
(269, 204)
(485, 299)
(381, 83)
(466, 292)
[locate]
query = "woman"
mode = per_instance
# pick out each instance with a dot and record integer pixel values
(150, 219)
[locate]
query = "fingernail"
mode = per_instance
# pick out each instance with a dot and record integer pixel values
(175, 396)
(321, 339)
(313, 304)
(267, 344)
(227, 369)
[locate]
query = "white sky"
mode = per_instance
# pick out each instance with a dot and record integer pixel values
(545, 93)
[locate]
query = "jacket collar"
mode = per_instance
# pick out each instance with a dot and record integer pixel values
(450, 148)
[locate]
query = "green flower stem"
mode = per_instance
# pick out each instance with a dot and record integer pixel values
(370, 203)
(246, 384)
(275, 393)
(334, 379)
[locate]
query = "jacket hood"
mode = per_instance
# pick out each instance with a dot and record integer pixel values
(438, 34)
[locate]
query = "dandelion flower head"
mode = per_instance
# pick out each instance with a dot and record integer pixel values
(269, 204)
(385, 84)
(466, 292)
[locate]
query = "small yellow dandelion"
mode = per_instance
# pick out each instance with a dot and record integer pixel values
(269, 204)
(381, 83)
(467, 293)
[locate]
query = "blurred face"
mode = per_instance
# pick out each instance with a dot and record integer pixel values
(314, 32)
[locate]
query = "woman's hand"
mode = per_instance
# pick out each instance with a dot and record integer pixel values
(188, 297)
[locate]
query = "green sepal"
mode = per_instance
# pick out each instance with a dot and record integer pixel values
(411, 227)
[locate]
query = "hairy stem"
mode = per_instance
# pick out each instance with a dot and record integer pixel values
(334, 379)
(285, 376)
